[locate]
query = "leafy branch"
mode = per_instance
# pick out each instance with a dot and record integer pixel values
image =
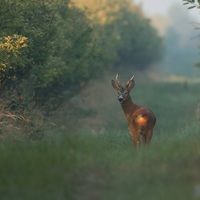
(10, 47)
(192, 3)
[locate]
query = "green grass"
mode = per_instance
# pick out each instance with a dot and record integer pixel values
(104, 166)
(174, 104)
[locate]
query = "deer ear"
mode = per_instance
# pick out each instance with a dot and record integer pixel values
(115, 85)
(130, 84)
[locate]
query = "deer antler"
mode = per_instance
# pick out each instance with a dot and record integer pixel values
(117, 80)
(117, 76)
(132, 78)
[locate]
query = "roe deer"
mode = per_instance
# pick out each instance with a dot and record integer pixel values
(141, 120)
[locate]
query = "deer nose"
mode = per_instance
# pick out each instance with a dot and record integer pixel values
(121, 99)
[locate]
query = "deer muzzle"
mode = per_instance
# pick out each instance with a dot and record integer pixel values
(120, 99)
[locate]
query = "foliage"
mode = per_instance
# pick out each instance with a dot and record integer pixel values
(191, 2)
(105, 11)
(65, 48)
(134, 41)
(58, 47)
(194, 5)
(138, 42)
(74, 56)
(10, 48)
(32, 19)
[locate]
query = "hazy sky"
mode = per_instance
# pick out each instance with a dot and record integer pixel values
(152, 7)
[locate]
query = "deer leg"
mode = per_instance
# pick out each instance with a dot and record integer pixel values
(144, 139)
(149, 136)
(137, 144)
(144, 135)
(135, 136)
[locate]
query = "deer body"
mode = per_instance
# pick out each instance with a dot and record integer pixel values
(141, 120)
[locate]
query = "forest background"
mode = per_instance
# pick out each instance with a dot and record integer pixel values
(51, 50)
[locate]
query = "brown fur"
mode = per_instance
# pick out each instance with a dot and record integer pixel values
(141, 120)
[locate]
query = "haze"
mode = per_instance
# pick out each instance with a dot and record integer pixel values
(155, 7)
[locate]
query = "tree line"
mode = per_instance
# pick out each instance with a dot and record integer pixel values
(48, 47)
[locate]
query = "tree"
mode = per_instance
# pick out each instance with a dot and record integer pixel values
(128, 34)
(105, 11)
(67, 46)
(139, 43)
(61, 47)
(76, 54)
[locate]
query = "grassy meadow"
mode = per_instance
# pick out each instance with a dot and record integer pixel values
(90, 165)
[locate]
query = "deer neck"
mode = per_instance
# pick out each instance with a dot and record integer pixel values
(129, 107)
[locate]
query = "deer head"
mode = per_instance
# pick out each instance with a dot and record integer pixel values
(123, 91)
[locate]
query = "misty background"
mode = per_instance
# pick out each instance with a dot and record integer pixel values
(180, 29)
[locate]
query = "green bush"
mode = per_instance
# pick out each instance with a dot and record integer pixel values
(33, 20)
(65, 49)
(63, 46)
(138, 42)
(74, 53)
(10, 48)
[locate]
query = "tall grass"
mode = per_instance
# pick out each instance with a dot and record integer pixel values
(102, 166)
